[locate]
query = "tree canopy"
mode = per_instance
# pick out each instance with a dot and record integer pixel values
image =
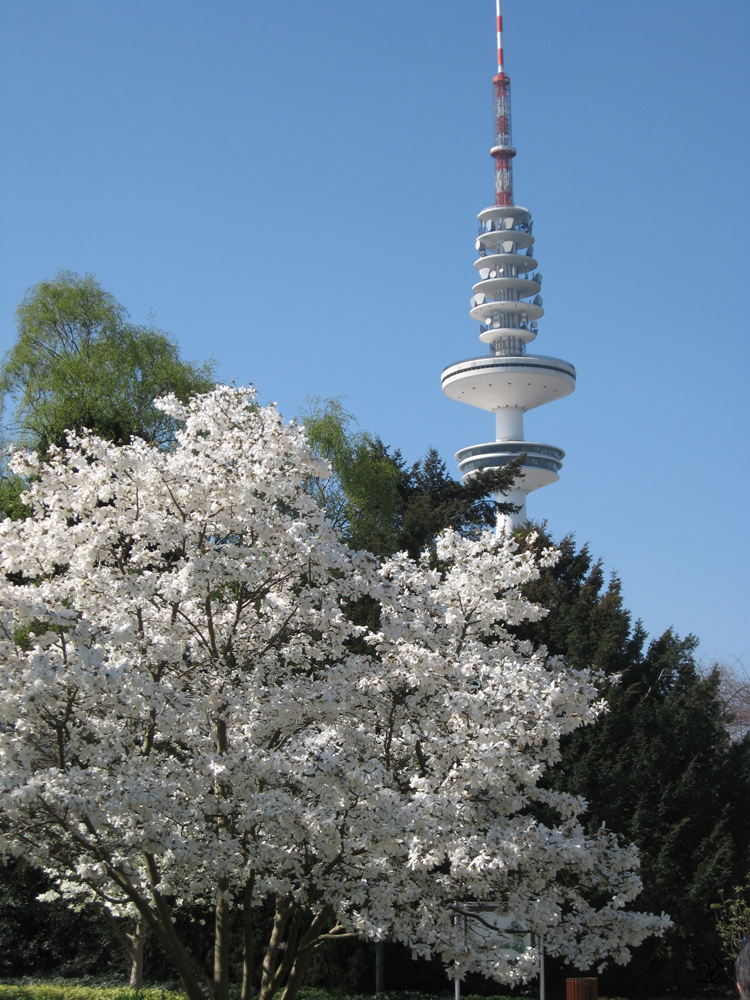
(660, 766)
(668, 765)
(189, 713)
(385, 506)
(80, 363)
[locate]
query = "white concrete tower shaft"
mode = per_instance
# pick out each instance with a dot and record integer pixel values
(507, 304)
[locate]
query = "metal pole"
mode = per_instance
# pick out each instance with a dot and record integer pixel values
(379, 966)
(541, 968)
(457, 982)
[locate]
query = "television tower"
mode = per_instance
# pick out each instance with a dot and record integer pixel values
(508, 381)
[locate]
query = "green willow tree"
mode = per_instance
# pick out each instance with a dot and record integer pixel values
(80, 363)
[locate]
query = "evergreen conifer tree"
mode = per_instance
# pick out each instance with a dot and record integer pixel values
(659, 766)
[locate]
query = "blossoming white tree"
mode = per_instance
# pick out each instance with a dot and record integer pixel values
(188, 713)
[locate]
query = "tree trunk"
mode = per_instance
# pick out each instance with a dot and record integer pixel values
(132, 944)
(297, 951)
(320, 924)
(221, 920)
(221, 943)
(248, 937)
(159, 919)
(137, 939)
(187, 969)
(379, 966)
(297, 975)
(184, 964)
(273, 974)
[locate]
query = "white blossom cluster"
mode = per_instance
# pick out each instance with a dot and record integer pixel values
(185, 701)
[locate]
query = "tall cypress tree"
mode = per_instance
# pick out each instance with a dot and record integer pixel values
(658, 767)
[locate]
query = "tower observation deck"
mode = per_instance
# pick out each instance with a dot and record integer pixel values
(507, 304)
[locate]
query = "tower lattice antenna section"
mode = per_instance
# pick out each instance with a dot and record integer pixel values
(502, 149)
(507, 304)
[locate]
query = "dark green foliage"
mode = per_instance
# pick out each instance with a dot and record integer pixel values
(349, 968)
(658, 767)
(732, 915)
(430, 500)
(79, 363)
(38, 938)
(587, 623)
(360, 497)
(11, 488)
(383, 505)
(50, 938)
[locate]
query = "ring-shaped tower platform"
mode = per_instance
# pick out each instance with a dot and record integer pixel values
(507, 304)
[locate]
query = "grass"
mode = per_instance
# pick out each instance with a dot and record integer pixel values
(55, 991)
(61, 989)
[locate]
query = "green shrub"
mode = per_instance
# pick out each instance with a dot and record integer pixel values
(52, 991)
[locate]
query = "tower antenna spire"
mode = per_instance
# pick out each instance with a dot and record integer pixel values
(499, 36)
(502, 149)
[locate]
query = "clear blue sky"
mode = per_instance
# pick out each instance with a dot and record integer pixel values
(293, 189)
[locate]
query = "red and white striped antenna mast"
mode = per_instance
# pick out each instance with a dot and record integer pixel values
(499, 37)
(502, 149)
